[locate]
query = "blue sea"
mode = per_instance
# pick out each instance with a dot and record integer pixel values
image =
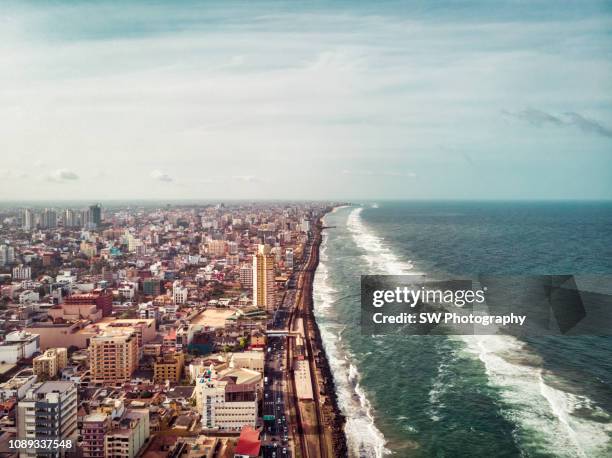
(466, 396)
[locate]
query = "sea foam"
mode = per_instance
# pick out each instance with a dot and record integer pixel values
(534, 405)
(363, 438)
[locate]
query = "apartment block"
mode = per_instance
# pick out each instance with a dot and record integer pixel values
(169, 367)
(113, 358)
(48, 412)
(50, 362)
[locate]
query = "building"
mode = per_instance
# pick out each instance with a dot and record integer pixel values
(179, 293)
(127, 435)
(22, 272)
(94, 429)
(18, 386)
(89, 249)
(249, 444)
(7, 255)
(28, 220)
(18, 345)
(48, 412)
(93, 216)
(29, 297)
(217, 248)
(50, 362)
(289, 258)
(113, 358)
(151, 287)
(253, 360)
(101, 298)
(246, 276)
(227, 400)
(114, 431)
(263, 278)
(169, 367)
(48, 219)
(69, 218)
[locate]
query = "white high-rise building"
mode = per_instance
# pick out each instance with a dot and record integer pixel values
(289, 258)
(263, 278)
(28, 219)
(179, 293)
(48, 412)
(7, 255)
(69, 218)
(22, 272)
(48, 219)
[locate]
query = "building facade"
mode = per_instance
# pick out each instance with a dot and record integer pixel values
(50, 362)
(113, 358)
(263, 278)
(48, 412)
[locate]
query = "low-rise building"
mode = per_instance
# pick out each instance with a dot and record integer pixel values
(128, 434)
(50, 362)
(253, 360)
(169, 367)
(18, 345)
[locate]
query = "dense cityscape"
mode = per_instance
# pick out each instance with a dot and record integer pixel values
(170, 330)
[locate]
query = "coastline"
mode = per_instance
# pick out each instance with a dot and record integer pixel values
(333, 417)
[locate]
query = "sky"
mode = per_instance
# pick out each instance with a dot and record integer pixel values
(305, 100)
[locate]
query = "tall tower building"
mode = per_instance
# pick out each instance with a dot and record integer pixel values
(48, 219)
(68, 218)
(289, 258)
(246, 276)
(263, 278)
(7, 255)
(48, 412)
(95, 214)
(113, 357)
(28, 219)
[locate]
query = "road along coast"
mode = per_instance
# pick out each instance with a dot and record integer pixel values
(321, 418)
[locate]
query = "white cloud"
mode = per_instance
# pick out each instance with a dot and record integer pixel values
(12, 174)
(246, 178)
(61, 176)
(161, 176)
(293, 96)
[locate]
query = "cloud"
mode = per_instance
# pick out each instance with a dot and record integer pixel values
(587, 125)
(12, 174)
(161, 176)
(39, 164)
(61, 176)
(541, 118)
(371, 173)
(246, 178)
(535, 117)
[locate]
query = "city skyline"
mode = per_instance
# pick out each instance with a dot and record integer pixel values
(305, 101)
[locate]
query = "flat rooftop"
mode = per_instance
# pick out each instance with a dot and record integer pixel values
(54, 387)
(213, 317)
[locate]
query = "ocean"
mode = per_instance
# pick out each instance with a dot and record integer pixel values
(465, 396)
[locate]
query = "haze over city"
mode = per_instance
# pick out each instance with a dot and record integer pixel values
(109, 100)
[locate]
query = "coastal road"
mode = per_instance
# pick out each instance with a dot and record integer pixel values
(296, 426)
(316, 438)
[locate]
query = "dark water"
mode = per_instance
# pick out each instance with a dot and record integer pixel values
(471, 396)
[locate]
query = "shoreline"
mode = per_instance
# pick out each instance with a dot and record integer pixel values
(333, 418)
